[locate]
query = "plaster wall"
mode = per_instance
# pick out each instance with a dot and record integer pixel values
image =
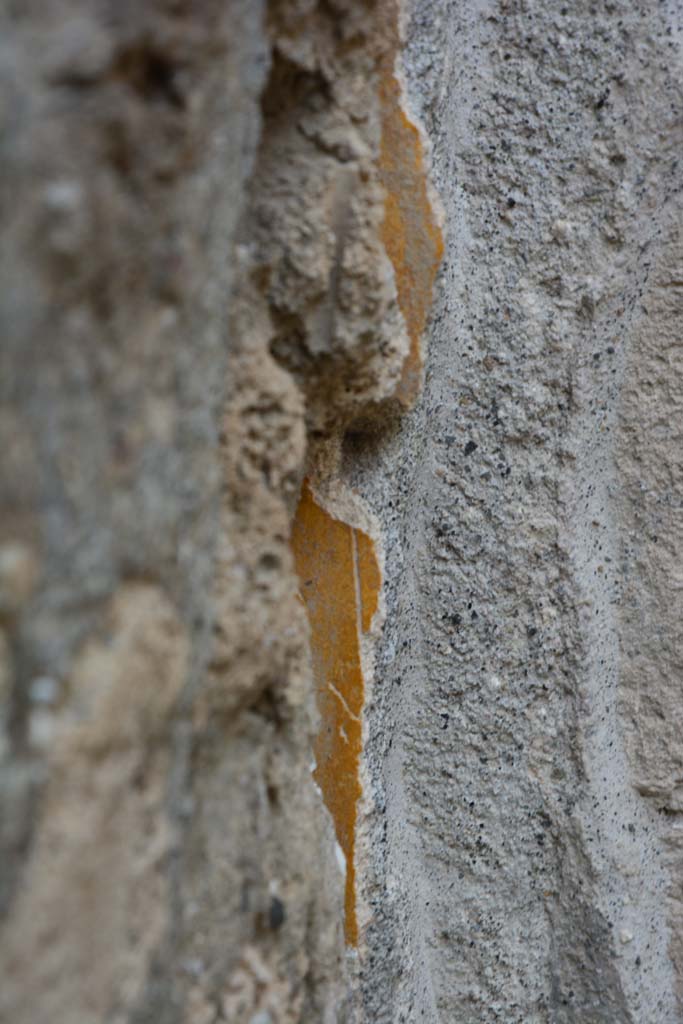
(523, 850)
(340, 602)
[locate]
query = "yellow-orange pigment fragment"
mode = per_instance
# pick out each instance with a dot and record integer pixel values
(410, 232)
(340, 580)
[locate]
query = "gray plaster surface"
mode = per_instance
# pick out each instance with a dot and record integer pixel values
(523, 758)
(195, 301)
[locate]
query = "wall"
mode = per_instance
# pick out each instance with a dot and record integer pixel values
(524, 857)
(187, 189)
(435, 776)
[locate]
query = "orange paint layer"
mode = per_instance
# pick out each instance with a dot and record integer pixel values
(340, 580)
(410, 232)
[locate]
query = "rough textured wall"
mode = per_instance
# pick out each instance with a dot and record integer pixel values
(523, 745)
(216, 265)
(193, 280)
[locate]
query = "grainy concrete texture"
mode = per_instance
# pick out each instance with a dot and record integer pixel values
(524, 743)
(220, 363)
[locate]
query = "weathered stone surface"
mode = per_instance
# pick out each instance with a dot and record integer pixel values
(187, 189)
(216, 264)
(94, 905)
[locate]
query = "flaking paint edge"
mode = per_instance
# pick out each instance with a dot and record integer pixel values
(340, 585)
(337, 562)
(410, 231)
